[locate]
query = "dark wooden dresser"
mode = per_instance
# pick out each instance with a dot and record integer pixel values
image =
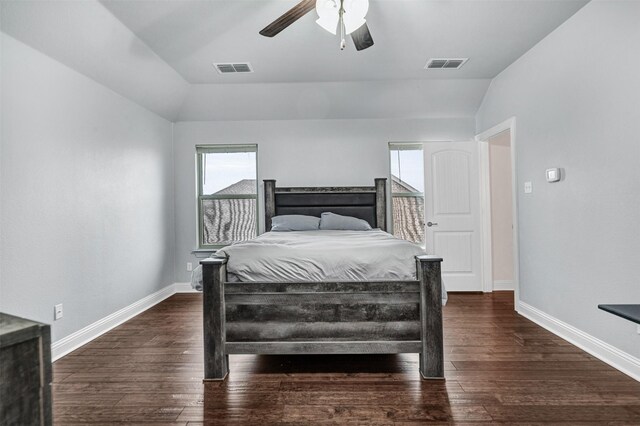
(25, 372)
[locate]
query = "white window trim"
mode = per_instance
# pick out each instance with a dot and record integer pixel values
(403, 146)
(221, 148)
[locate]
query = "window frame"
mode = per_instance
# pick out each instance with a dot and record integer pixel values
(404, 146)
(200, 197)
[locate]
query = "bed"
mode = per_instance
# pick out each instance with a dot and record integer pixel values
(248, 313)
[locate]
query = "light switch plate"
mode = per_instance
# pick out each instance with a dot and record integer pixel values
(57, 312)
(528, 187)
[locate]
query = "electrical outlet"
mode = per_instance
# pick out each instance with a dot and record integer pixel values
(528, 187)
(57, 313)
(189, 266)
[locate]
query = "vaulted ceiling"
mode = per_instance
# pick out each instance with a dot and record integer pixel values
(191, 35)
(160, 53)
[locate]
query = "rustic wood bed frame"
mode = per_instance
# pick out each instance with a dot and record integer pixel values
(323, 317)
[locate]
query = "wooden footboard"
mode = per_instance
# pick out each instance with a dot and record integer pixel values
(323, 317)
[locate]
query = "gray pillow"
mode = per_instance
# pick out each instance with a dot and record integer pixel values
(295, 222)
(343, 223)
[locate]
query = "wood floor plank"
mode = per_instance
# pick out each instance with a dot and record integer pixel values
(70, 414)
(564, 413)
(500, 368)
(377, 414)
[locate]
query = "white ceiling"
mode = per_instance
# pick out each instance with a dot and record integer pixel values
(192, 34)
(159, 54)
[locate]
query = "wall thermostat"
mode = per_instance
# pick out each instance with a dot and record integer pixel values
(553, 175)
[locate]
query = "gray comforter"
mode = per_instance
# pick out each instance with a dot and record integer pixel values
(320, 256)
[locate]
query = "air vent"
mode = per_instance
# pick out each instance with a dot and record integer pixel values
(445, 63)
(240, 67)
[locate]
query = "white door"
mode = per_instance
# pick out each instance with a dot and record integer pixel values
(452, 212)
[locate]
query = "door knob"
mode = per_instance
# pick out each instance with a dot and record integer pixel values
(430, 224)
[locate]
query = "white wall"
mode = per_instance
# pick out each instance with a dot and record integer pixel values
(396, 99)
(87, 194)
(298, 153)
(576, 99)
(501, 206)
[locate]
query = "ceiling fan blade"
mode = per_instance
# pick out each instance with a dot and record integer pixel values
(362, 37)
(295, 13)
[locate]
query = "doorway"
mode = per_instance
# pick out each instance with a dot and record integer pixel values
(501, 217)
(499, 208)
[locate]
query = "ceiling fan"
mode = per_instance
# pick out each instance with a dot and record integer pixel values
(347, 16)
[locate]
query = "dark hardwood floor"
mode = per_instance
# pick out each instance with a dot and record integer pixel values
(500, 368)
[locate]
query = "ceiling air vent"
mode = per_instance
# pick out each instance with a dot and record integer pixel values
(445, 63)
(240, 67)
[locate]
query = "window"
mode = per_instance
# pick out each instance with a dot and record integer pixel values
(227, 194)
(407, 191)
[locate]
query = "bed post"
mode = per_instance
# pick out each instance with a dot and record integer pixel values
(431, 334)
(381, 203)
(269, 202)
(216, 361)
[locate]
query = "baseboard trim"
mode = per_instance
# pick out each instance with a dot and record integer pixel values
(83, 336)
(184, 288)
(622, 361)
(503, 285)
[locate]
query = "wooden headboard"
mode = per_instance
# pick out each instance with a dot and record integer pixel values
(364, 202)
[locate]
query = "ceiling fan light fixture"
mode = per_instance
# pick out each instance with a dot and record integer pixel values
(353, 17)
(350, 25)
(329, 24)
(335, 16)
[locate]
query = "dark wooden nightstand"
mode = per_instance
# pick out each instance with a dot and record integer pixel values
(25, 372)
